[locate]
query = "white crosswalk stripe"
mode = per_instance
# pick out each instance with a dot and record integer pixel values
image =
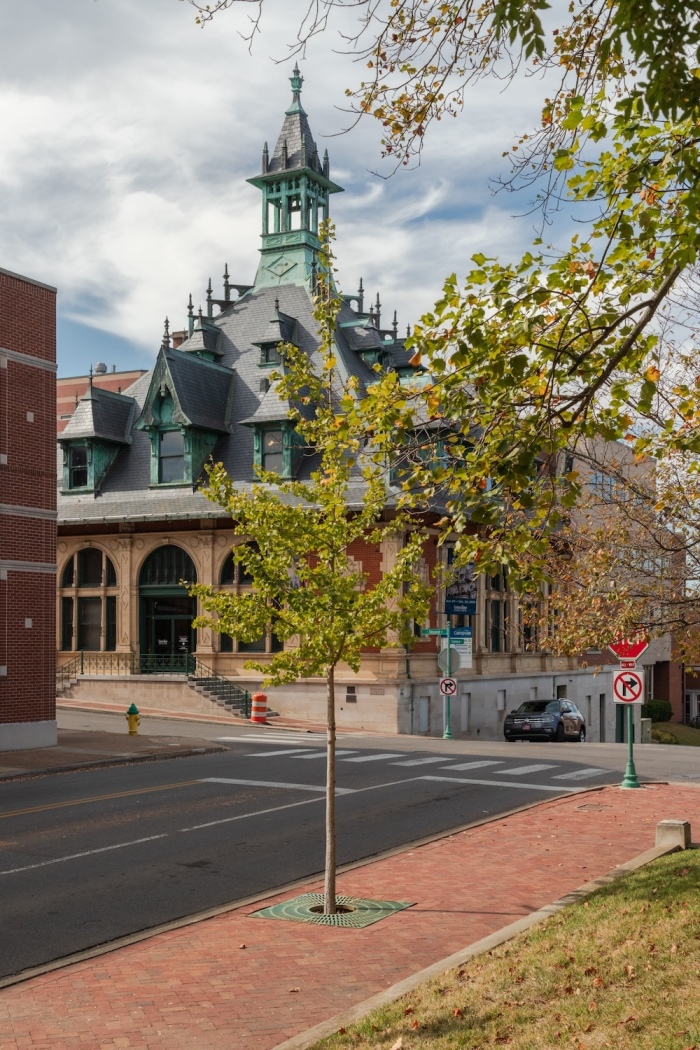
(473, 765)
(371, 758)
(418, 762)
(274, 784)
(274, 754)
(520, 771)
(580, 774)
(322, 754)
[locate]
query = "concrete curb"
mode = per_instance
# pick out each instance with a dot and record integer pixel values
(356, 1013)
(291, 887)
(102, 763)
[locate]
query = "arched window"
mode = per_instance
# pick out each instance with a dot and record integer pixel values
(89, 602)
(233, 575)
(166, 567)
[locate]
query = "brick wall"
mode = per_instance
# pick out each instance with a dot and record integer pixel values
(27, 502)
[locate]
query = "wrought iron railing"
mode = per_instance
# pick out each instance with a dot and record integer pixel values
(167, 663)
(213, 683)
(231, 694)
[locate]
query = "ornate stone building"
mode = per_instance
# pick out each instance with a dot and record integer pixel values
(132, 523)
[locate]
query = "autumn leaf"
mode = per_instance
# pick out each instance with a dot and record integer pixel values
(408, 1010)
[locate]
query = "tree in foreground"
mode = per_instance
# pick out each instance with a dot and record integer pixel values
(297, 540)
(528, 357)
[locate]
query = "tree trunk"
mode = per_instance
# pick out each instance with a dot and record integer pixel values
(329, 887)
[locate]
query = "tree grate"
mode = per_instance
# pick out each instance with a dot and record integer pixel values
(360, 912)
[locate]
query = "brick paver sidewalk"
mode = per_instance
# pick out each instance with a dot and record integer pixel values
(239, 983)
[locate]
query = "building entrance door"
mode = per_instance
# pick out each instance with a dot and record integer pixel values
(168, 639)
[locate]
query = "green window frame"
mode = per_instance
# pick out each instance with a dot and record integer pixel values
(270, 355)
(78, 466)
(171, 457)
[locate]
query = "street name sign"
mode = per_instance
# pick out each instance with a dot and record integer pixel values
(628, 687)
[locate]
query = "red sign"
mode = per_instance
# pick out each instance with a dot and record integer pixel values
(627, 650)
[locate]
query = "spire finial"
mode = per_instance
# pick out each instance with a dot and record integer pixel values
(378, 312)
(408, 331)
(314, 275)
(326, 164)
(200, 315)
(166, 334)
(210, 301)
(277, 305)
(190, 316)
(296, 80)
(265, 159)
(360, 298)
(227, 286)
(90, 379)
(395, 327)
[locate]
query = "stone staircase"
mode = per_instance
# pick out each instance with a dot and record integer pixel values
(223, 693)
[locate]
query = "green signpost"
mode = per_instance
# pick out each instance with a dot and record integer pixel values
(444, 632)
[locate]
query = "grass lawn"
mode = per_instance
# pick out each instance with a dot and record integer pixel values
(620, 970)
(683, 734)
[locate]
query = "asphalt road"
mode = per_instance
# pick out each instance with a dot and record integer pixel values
(88, 857)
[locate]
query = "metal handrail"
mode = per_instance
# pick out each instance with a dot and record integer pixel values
(65, 672)
(224, 687)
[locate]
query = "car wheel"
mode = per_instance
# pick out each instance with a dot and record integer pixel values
(560, 733)
(582, 735)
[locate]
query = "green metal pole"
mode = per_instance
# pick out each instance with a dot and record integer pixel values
(630, 780)
(447, 735)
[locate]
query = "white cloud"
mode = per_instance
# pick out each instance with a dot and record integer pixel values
(128, 134)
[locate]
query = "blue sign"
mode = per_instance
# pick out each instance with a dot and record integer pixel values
(460, 606)
(459, 634)
(460, 592)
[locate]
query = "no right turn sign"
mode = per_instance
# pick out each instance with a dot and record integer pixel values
(628, 687)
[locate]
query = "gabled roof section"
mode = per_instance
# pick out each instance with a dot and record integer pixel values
(281, 328)
(102, 415)
(201, 392)
(205, 339)
(272, 409)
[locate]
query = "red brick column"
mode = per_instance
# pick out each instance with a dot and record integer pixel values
(27, 512)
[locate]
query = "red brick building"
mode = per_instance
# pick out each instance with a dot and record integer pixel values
(70, 389)
(27, 512)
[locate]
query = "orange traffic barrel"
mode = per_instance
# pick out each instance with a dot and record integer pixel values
(258, 712)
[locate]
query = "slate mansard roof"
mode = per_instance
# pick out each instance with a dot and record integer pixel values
(231, 395)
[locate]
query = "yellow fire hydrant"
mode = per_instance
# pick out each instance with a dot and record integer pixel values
(134, 719)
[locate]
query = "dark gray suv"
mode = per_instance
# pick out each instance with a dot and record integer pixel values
(545, 720)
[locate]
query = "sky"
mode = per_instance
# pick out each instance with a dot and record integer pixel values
(128, 136)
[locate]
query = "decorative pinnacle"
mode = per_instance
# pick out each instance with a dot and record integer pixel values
(166, 334)
(210, 302)
(190, 307)
(277, 304)
(227, 286)
(296, 80)
(378, 311)
(360, 298)
(408, 330)
(395, 327)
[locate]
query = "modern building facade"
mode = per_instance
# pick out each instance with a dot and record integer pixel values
(27, 512)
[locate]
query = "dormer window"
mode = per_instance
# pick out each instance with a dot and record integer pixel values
(273, 451)
(171, 456)
(77, 466)
(270, 354)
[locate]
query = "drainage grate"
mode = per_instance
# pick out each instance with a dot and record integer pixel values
(359, 912)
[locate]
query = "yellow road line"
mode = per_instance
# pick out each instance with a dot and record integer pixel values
(97, 798)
